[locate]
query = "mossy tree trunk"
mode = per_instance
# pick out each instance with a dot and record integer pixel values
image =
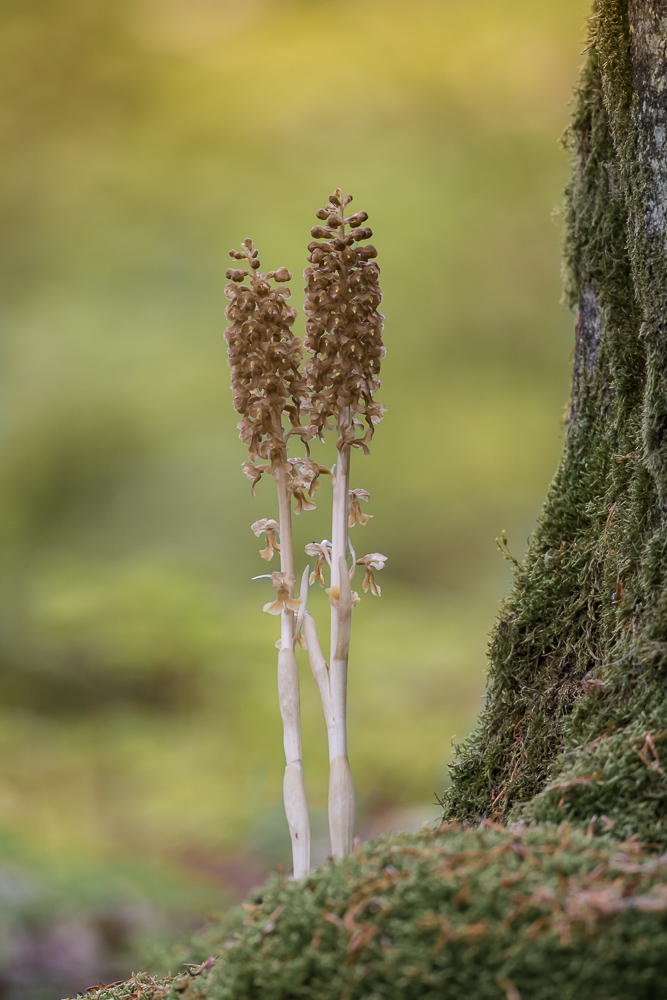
(576, 716)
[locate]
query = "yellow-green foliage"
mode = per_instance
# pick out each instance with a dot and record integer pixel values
(140, 140)
(575, 725)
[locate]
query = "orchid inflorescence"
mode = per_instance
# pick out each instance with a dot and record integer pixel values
(280, 400)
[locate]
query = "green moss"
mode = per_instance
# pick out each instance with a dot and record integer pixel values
(456, 913)
(577, 678)
(138, 986)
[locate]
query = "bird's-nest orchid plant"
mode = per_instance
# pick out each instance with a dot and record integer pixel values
(282, 401)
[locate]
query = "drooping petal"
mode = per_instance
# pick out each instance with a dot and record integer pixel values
(269, 527)
(317, 573)
(370, 584)
(355, 496)
(374, 561)
(253, 473)
(323, 552)
(303, 502)
(283, 601)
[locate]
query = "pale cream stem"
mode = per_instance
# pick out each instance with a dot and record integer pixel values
(294, 794)
(341, 791)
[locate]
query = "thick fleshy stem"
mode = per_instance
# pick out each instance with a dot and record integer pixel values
(294, 794)
(341, 789)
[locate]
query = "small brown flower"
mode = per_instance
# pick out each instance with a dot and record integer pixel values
(269, 528)
(254, 473)
(373, 561)
(283, 601)
(355, 508)
(303, 483)
(323, 552)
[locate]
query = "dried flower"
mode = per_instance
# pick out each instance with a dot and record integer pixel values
(269, 528)
(283, 601)
(323, 552)
(373, 561)
(264, 356)
(355, 508)
(344, 327)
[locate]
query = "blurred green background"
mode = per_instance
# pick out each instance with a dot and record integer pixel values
(140, 739)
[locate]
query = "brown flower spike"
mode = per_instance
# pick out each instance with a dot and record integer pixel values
(344, 327)
(264, 356)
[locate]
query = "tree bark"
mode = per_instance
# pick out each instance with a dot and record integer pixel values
(576, 715)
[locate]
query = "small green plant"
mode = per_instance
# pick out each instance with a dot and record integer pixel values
(281, 401)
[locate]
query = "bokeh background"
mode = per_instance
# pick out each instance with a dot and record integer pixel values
(140, 740)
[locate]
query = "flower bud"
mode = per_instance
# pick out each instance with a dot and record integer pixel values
(363, 234)
(356, 220)
(320, 233)
(282, 274)
(322, 213)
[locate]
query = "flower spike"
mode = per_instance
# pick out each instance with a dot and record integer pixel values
(264, 356)
(344, 327)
